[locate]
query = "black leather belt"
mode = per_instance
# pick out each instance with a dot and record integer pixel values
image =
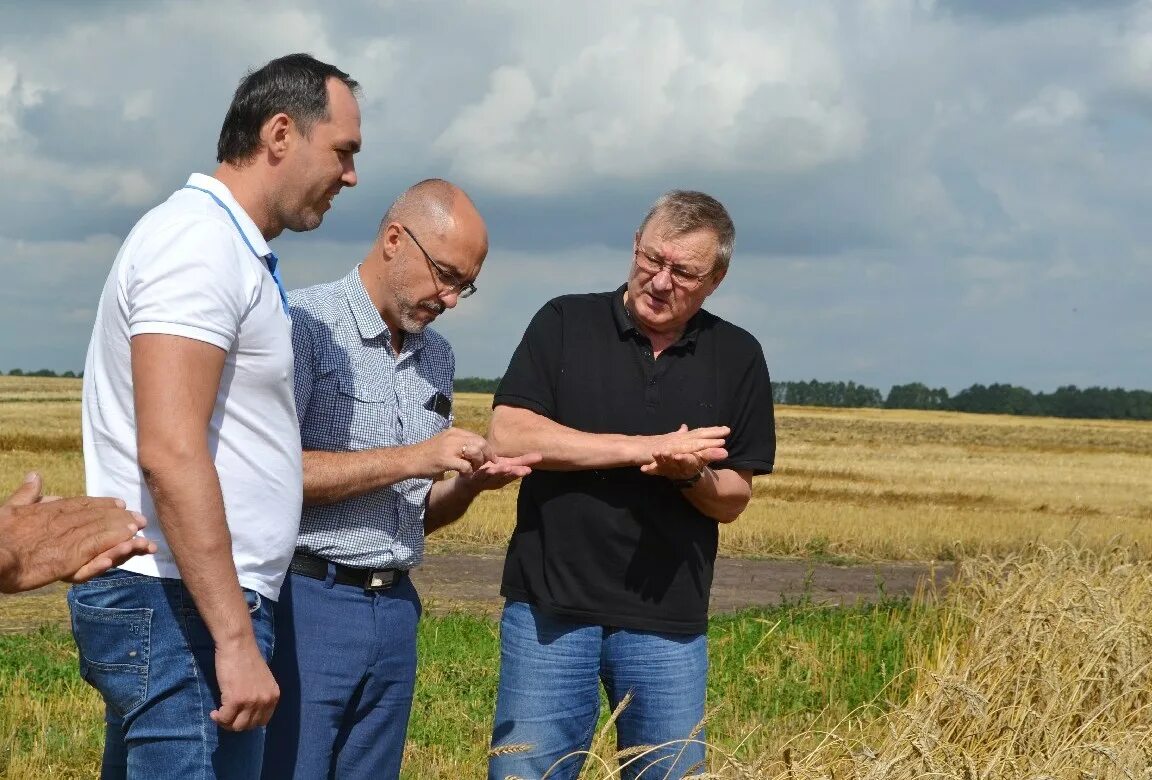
(368, 579)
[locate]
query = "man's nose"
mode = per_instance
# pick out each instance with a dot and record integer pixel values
(663, 279)
(449, 298)
(349, 177)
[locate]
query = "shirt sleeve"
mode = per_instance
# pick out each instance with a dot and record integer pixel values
(531, 378)
(186, 281)
(752, 444)
(304, 359)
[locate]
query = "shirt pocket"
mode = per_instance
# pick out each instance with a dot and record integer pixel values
(420, 419)
(364, 416)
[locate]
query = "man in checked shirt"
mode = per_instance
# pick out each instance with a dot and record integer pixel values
(373, 394)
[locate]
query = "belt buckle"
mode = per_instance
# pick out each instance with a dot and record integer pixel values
(382, 579)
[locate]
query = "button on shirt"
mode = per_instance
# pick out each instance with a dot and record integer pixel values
(354, 393)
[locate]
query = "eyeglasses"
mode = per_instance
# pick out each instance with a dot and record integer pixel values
(445, 279)
(682, 277)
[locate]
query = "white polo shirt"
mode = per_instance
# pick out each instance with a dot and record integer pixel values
(188, 270)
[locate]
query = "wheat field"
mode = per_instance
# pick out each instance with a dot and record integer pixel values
(1040, 665)
(1041, 670)
(909, 485)
(849, 483)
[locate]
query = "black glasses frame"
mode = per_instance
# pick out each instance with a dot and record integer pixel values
(449, 281)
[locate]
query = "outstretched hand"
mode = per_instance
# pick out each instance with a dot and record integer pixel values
(500, 471)
(43, 539)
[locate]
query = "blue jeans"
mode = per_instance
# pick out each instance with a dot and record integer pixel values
(146, 649)
(346, 664)
(549, 696)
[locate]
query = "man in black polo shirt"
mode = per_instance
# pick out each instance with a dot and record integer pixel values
(652, 416)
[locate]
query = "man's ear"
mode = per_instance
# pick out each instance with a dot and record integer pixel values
(390, 240)
(276, 134)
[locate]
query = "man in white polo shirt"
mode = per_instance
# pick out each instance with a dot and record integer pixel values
(189, 415)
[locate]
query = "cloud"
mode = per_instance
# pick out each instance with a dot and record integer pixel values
(1024, 10)
(47, 307)
(944, 191)
(721, 96)
(1054, 106)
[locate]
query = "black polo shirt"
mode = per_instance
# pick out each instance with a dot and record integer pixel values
(618, 547)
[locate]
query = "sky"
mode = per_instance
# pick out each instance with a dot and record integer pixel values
(940, 191)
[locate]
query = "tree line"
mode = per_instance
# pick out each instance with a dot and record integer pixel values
(467, 384)
(44, 372)
(475, 384)
(1068, 401)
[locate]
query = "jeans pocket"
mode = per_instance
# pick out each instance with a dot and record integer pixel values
(114, 645)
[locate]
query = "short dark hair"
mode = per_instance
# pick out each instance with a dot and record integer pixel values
(686, 211)
(296, 84)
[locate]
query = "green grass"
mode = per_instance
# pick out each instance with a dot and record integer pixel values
(49, 718)
(451, 721)
(802, 659)
(774, 672)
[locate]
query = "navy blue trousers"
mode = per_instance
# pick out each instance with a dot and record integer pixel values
(346, 664)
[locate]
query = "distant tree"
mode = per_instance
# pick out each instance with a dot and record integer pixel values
(475, 384)
(1068, 401)
(916, 396)
(860, 397)
(16, 372)
(1097, 403)
(817, 393)
(69, 374)
(43, 372)
(995, 399)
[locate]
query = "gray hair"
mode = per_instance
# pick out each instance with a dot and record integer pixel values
(685, 211)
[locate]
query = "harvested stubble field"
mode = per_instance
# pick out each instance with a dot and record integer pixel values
(850, 483)
(1035, 664)
(907, 485)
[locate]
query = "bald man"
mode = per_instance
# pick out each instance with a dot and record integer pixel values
(374, 398)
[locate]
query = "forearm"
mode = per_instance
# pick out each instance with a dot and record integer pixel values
(515, 430)
(448, 500)
(721, 494)
(190, 508)
(336, 476)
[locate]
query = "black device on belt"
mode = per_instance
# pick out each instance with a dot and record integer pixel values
(368, 579)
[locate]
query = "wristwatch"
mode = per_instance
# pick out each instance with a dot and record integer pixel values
(688, 482)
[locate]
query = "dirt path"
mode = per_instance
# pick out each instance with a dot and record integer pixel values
(472, 582)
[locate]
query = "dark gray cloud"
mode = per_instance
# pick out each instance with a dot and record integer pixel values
(950, 193)
(1016, 10)
(21, 20)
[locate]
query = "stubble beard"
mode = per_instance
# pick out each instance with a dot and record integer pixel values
(303, 221)
(407, 310)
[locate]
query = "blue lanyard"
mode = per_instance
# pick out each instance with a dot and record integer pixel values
(270, 260)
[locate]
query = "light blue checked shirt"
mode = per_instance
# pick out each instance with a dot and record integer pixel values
(353, 393)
